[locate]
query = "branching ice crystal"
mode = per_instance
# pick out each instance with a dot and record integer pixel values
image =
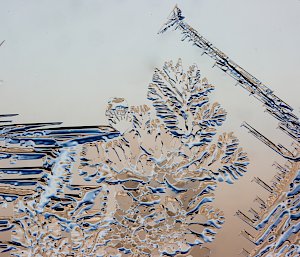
(181, 101)
(166, 167)
(276, 220)
(145, 191)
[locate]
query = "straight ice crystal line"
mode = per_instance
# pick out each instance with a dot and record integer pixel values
(288, 121)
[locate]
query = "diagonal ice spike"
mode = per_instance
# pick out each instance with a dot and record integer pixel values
(289, 122)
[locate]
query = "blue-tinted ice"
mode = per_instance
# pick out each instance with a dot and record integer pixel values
(139, 187)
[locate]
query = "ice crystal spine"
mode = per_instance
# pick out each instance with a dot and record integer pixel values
(288, 121)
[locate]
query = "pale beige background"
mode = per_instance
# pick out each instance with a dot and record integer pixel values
(62, 61)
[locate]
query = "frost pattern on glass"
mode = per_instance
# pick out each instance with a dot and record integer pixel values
(288, 122)
(141, 187)
(276, 219)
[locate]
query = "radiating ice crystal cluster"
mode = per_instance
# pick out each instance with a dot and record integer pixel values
(143, 190)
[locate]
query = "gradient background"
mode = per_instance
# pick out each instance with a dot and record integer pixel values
(62, 61)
